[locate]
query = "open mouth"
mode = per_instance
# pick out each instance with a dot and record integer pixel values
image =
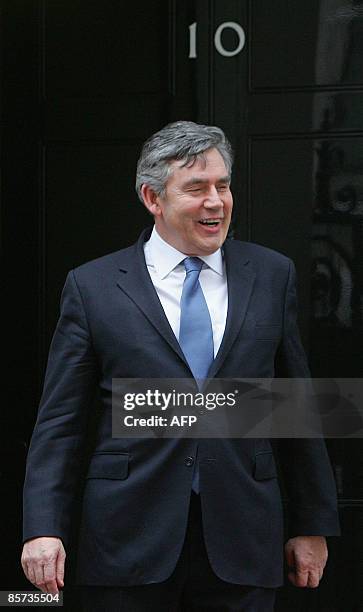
(210, 222)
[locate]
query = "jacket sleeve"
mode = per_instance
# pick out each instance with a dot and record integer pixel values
(304, 463)
(56, 446)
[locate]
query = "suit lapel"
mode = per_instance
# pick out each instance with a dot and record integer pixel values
(135, 281)
(240, 278)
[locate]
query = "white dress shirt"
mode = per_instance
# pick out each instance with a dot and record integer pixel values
(167, 273)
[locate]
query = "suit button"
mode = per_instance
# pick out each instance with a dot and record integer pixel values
(189, 461)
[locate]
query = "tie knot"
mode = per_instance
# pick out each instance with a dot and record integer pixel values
(192, 264)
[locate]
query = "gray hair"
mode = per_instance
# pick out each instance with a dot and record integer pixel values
(182, 140)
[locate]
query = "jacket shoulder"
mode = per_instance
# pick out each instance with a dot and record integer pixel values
(258, 254)
(103, 264)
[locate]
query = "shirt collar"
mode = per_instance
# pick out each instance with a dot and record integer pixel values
(165, 257)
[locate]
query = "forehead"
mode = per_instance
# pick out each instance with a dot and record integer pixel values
(208, 165)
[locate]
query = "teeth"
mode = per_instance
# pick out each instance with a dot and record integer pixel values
(209, 221)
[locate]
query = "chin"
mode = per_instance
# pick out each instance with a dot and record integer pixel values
(211, 247)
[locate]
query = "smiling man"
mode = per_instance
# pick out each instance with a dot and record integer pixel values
(175, 524)
(193, 213)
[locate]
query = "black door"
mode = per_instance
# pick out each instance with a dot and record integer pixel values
(84, 83)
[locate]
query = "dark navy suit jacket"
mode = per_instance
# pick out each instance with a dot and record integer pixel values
(137, 491)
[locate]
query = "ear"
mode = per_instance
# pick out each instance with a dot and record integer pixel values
(151, 200)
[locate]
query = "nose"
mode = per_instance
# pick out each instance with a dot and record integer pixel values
(213, 199)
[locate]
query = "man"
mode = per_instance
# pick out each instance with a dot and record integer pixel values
(175, 522)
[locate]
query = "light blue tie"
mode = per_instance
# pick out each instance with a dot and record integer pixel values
(195, 334)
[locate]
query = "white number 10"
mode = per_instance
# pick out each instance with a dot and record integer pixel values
(218, 39)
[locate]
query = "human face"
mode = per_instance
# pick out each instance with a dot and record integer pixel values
(196, 194)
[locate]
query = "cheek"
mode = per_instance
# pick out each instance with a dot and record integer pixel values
(229, 204)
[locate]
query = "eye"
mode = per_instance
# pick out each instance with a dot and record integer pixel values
(195, 190)
(222, 187)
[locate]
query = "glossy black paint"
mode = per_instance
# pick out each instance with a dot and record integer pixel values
(84, 84)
